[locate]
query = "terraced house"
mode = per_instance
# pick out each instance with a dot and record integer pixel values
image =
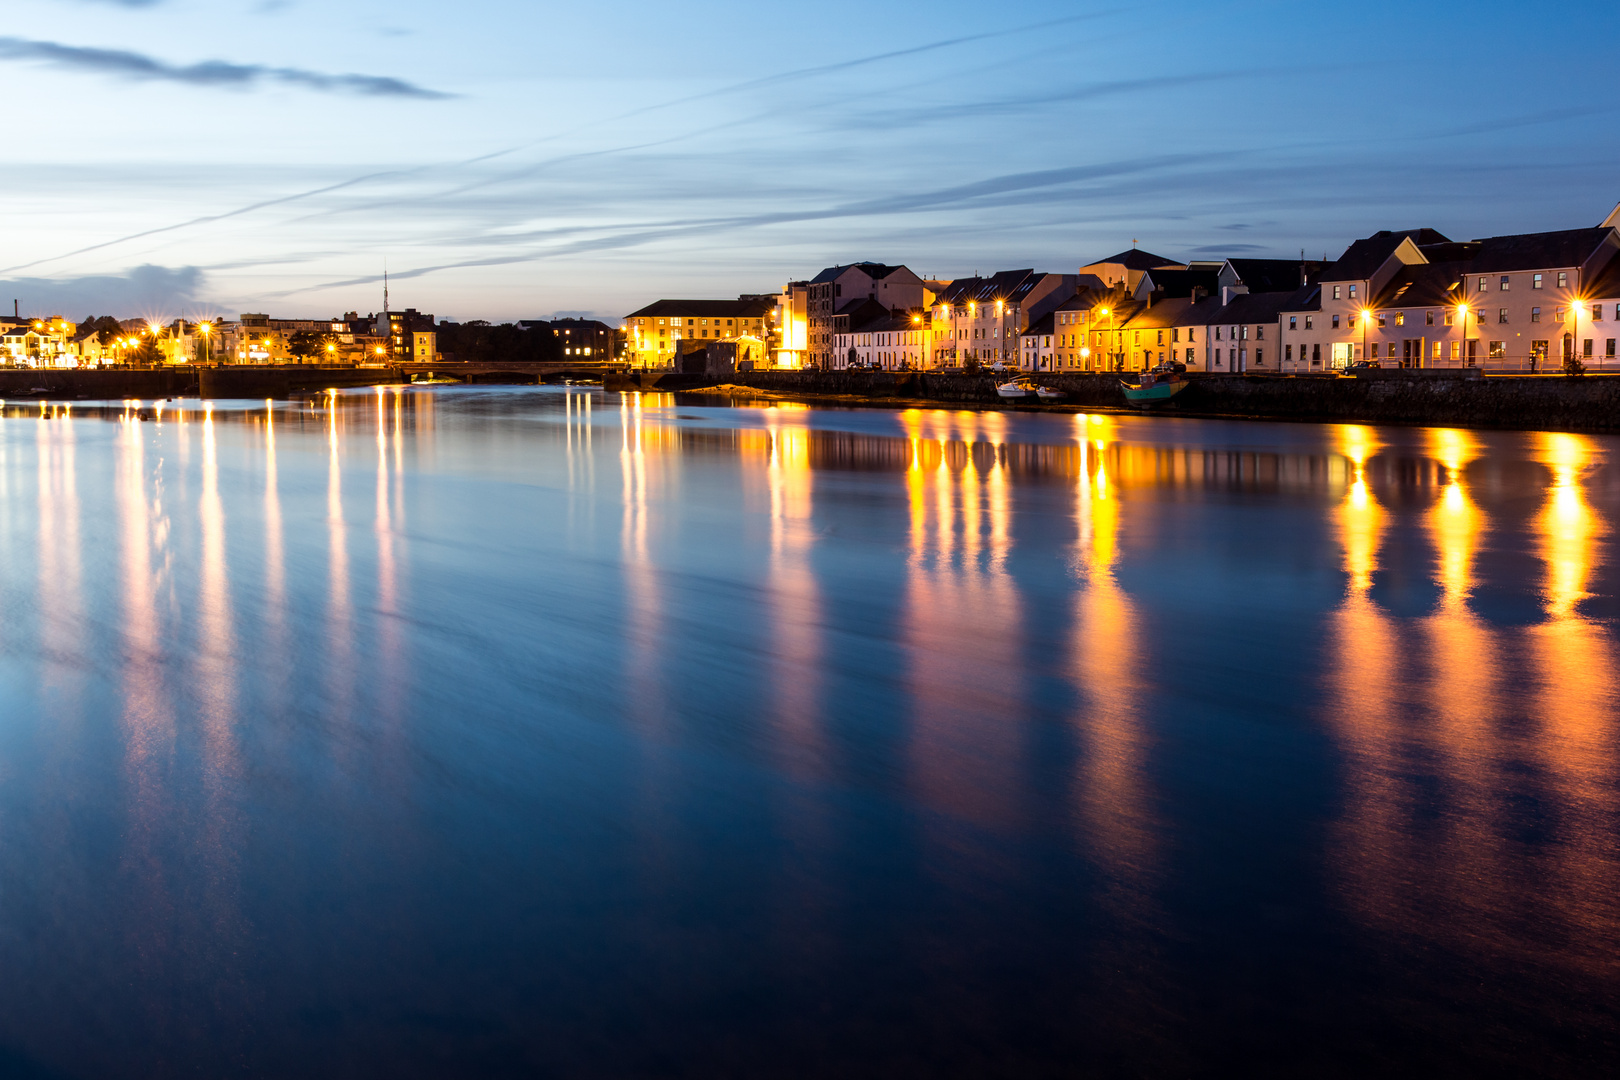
(1415, 298)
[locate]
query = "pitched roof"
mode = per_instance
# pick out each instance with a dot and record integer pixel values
(1008, 286)
(1043, 325)
(1136, 259)
(748, 309)
(1534, 251)
(1274, 275)
(1362, 258)
(875, 271)
(1176, 283)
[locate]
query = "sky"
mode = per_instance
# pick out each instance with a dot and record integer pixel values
(507, 159)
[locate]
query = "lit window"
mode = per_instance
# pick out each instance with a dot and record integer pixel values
(1352, 292)
(1535, 281)
(1504, 283)
(1563, 283)
(1501, 315)
(1484, 284)
(1309, 319)
(1498, 350)
(1336, 292)
(1535, 314)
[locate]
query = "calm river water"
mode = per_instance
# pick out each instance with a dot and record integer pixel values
(496, 732)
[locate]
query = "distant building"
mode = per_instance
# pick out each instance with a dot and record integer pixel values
(980, 318)
(838, 288)
(656, 335)
(576, 338)
(1126, 268)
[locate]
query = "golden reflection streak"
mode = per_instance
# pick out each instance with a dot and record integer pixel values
(59, 556)
(796, 622)
(1113, 796)
(340, 619)
(961, 623)
(641, 580)
(148, 720)
(1467, 860)
(1577, 702)
(215, 687)
(1365, 670)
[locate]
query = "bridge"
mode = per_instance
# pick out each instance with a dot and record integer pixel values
(509, 371)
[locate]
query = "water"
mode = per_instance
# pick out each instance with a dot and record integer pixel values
(495, 732)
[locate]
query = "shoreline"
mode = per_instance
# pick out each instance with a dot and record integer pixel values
(1422, 398)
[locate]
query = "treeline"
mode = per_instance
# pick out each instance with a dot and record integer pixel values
(481, 342)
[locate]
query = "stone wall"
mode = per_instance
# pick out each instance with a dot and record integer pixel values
(1551, 402)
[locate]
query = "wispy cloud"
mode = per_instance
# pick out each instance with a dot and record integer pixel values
(213, 73)
(145, 290)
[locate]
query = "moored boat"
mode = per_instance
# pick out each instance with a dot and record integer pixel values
(1154, 388)
(1047, 393)
(1017, 390)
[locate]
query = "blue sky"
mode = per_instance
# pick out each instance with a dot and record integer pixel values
(513, 159)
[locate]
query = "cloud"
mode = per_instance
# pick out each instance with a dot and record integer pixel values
(131, 3)
(145, 290)
(132, 65)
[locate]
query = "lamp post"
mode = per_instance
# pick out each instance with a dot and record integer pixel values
(1574, 327)
(1366, 317)
(1109, 315)
(1462, 317)
(205, 329)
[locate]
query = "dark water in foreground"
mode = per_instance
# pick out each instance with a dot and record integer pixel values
(491, 732)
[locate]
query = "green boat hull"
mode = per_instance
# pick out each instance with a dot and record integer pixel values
(1152, 395)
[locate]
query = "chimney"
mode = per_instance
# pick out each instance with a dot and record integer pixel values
(1198, 293)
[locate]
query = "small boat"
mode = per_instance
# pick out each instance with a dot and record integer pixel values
(1046, 393)
(1153, 388)
(1017, 390)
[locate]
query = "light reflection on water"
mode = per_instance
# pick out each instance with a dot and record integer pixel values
(546, 730)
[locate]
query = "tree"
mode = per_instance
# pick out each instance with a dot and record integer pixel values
(307, 343)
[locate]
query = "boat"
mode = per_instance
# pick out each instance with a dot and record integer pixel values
(1154, 388)
(1017, 390)
(1046, 393)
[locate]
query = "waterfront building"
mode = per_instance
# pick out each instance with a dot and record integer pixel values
(1035, 344)
(838, 289)
(791, 324)
(1414, 298)
(1127, 268)
(979, 319)
(1088, 328)
(891, 340)
(656, 335)
(580, 338)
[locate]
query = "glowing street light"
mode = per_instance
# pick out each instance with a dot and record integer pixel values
(1366, 319)
(1462, 318)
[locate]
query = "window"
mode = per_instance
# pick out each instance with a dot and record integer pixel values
(1498, 350)
(1352, 292)
(1428, 318)
(1586, 348)
(1260, 333)
(1449, 316)
(1243, 333)
(1288, 352)
(1335, 322)
(1308, 320)
(1501, 315)
(1316, 356)
(1190, 352)
(1437, 346)
(1558, 314)
(1535, 314)
(1260, 355)
(1292, 322)
(1138, 339)
(1538, 350)
(1608, 348)
(1336, 292)
(1175, 334)
(1504, 283)
(1483, 284)
(1563, 283)
(1535, 281)
(1597, 312)
(1161, 338)
(1400, 319)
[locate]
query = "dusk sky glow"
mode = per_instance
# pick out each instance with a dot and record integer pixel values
(520, 160)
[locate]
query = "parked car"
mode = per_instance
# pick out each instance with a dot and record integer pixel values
(1168, 367)
(1362, 365)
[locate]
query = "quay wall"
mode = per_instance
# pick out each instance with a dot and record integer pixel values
(231, 381)
(1539, 402)
(71, 384)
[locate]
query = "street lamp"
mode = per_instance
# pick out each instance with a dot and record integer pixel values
(1109, 315)
(1366, 317)
(1462, 317)
(205, 328)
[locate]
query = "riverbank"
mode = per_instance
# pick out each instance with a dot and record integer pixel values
(226, 381)
(1424, 397)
